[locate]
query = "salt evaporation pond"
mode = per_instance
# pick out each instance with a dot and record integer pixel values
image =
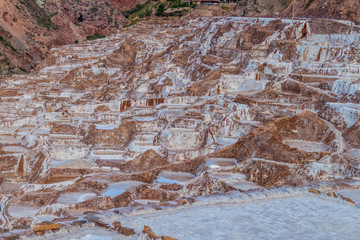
(71, 198)
(119, 188)
(167, 180)
(20, 211)
(93, 237)
(88, 234)
(174, 177)
(353, 194)
(302, 217)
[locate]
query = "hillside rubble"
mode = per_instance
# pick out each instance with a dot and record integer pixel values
(343, 10)
(28, 29)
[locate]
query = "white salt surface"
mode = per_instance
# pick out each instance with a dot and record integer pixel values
(93, 233)
(227, 141)
(106, 126)
(302, 217)
(220, 162)
(14, 149)
(19, 211)
(353, 153)
(119, 188)
(144, 119)
(353, 194)
(167, 180)
(174, 177)
(70, 198)
(307, 146)
(244, 186)
(93, 237)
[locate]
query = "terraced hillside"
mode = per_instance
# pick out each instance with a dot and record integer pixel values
(166, 111)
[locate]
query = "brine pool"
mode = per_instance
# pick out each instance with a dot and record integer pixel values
(301, 217)
(298, 217)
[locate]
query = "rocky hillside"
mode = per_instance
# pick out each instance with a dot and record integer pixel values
(28, 28)
(343, 9)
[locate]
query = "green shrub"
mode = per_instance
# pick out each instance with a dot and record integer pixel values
(41, 16)
(179, 13)
(7, 43)
(131, 24)
(135, 9)
(148, 12)
(285, 3)
(160, 10)
(94, 9)
(309, 2)
(95, 36)
(179, 4)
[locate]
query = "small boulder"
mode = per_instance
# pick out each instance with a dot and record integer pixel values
(331, 194)
(168, 238)
(123, 230)
(149, 232)
(346, 199)
(40, 228)
(314, 191)
(172, 187)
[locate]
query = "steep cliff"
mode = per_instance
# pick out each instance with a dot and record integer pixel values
(29, 28)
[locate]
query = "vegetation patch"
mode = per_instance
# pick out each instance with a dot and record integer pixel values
(131, 24)
(309, 2)
(226, 8)
(41, 16)
(160, 11)
(180, 4)
(135, 9)
(95, 36)
(285, 3)
(94, 9)
(176, 8)
(173, 4)
(7, 43)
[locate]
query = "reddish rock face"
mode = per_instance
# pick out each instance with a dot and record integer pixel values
(144, 162)
(346, 10)
(118, 137)
(269, 142)
(146, 192)
(123, 230)
(63, 129)
(352, 135)
(28, 30)
(125, 105)
(171, 187)
(104, 203)
(154, 101)
(149, 232)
